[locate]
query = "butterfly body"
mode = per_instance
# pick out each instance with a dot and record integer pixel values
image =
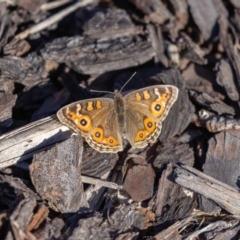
(120, 110)
(138, 117)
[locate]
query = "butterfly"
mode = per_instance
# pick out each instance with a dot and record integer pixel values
(137, 116)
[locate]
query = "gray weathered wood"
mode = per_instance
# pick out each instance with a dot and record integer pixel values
(22, 143)
(96, 56)
(224, 195)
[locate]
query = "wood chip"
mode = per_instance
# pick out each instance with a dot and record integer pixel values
(222, 158)
(225, 78)
(205, 16)
(139, 182)
(56, 175)
(211, 103)
(215, 123)
(155, 10)
(90, 56)
(224, 195)
(38, 136)
(116, 21)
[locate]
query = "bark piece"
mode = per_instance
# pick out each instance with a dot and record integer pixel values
(28, 71)
(123, 219)
(171, 201)
(205, 16)
(202, 79)
(125, 216)
(16, 187)
(217, 227)
(230, 48)
(7, 86)
(235, 20)
(56, 175)
(172, 232)
(38, 218)
(222, 194)
(181, 12)
(88, 228)
(16, 48)
(7, 101)
(22, 143)
(90, 56)
(222, 162)
(154, 10)
(51, 230)
(20, 219)
(139, 182)
(190, 50)
(7, 26)
(221, 8)
(173, 153)
(23, 217)
(223, 229)
(107, 23)
(225, 79)
(156, 37)
(213, 104)
(215, 123)
(96, 164)
(29, 221)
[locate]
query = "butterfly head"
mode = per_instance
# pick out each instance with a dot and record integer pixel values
(117, 94)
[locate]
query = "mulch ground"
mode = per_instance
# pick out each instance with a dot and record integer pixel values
(53, 185)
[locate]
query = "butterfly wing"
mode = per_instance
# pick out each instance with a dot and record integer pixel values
(146, 109)
(96, 120)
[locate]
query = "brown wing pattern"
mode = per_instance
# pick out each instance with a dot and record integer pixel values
(95, 119)
(146, 109)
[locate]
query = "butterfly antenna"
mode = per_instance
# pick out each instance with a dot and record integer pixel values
(127, 81)
(91, 90)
